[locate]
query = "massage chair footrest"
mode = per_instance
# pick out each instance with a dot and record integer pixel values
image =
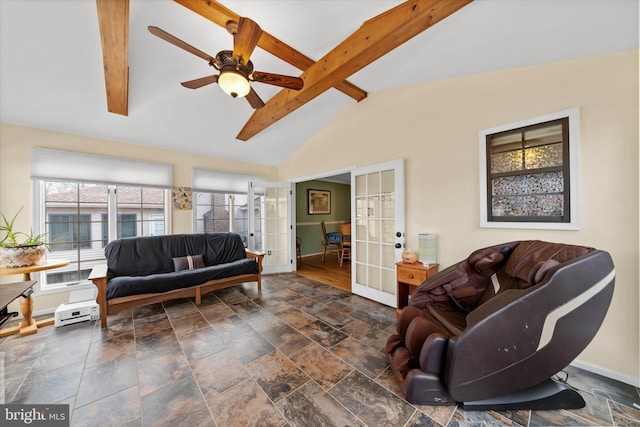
(424, 388)
(547, 395)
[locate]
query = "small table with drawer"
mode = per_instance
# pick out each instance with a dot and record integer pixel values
(410, 276)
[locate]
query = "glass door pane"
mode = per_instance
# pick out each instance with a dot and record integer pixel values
(270, 224)
(378, 212)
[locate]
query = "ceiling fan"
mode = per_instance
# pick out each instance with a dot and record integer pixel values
(236, 70)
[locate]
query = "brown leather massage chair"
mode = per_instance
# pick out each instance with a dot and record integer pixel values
(492, 330)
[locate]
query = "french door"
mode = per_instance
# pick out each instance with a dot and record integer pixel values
(377, 216)
(270, 213)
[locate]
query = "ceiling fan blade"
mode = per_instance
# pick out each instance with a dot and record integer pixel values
(254, 99)
(177, 42)
(288, 82)
(202, 81)
(246, 39)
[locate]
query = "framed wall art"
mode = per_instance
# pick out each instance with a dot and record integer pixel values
(318, 202)
(181, 198)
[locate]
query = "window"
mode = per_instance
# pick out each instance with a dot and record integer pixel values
(69, 231)
(221, 212)
(156, 225)
(221, 203)
(126, 227)
(527, 173)
(77, 223)
(140, 211)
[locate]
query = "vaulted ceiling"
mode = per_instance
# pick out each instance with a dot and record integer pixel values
(53, 74)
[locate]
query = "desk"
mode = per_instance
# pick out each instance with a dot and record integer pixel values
(29, 326)
(8, 293)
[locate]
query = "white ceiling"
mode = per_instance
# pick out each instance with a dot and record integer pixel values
(51, 74)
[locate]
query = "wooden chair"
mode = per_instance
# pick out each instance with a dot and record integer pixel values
(298, 250)
(345, 245)
(328, 241)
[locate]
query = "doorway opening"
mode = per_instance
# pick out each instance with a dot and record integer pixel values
(322, 198)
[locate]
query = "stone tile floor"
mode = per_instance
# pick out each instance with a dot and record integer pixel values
(299, 353)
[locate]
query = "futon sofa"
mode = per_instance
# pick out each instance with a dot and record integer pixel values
(492, 330)
(144, 270)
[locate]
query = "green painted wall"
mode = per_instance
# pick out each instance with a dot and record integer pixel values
(308, 226)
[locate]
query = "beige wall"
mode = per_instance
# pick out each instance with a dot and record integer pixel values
(16, 188)
(434, 127)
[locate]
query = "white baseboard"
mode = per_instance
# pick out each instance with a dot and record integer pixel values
(605, 372)
(319, 253)
(42, 312)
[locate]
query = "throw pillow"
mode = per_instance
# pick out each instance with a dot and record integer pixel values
(188, 262)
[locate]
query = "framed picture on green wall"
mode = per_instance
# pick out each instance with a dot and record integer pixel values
(318, 202)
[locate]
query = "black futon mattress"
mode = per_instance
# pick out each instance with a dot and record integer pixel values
(142, 265)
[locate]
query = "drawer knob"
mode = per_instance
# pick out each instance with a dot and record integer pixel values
(410, 276)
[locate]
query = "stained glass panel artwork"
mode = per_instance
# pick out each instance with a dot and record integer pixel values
(506, 162)
(528, 195)
(539, 205)
(538, 183)
(543, 157)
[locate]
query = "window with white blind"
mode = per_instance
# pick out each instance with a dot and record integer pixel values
(84, 201)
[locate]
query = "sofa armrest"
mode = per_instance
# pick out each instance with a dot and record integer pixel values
(98, 276)
(258, 256)
(98, 272)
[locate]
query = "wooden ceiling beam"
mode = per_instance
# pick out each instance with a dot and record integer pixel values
(113, 17)
(375, 38)
(220, 15)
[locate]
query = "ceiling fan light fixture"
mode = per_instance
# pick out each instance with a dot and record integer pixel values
(234, 83)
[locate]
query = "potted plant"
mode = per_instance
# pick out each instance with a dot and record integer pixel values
(18, 249)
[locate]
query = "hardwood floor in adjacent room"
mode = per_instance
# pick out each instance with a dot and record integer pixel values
(329, 271)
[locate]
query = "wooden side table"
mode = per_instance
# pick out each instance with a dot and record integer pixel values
(29, 326)
(410, 276)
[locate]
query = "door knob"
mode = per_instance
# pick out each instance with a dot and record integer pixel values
(398, 245)
(398, 234)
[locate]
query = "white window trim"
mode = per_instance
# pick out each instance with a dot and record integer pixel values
(575, 222)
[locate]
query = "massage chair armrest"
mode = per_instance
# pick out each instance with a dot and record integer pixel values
(494, 305)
